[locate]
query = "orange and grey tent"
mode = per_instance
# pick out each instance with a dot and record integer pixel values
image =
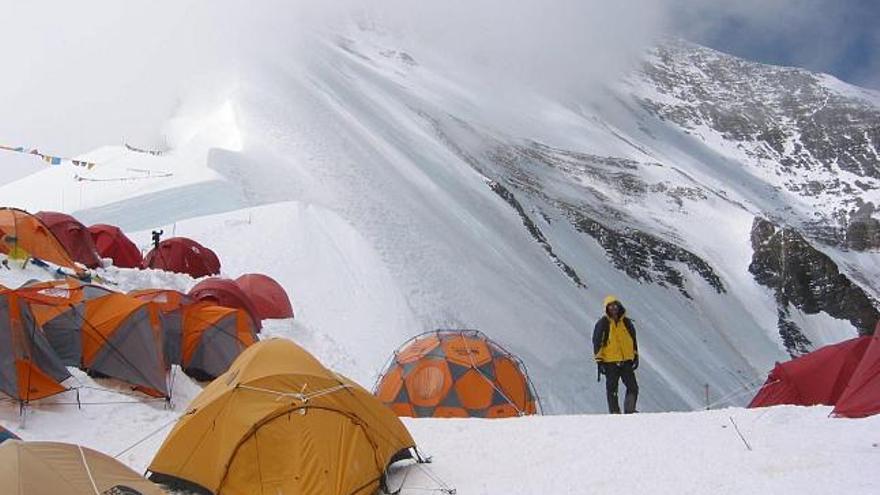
(212, 338)
(269, 298)
(24, 236)
(39, 468)
(280, 422)
(111, 334)
(7, 435)
(202, 338)
(74, 236)
(29, 369)
(171, 305)
(58, 308)
(456, 373)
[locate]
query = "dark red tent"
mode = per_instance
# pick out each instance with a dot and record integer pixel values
(269, 298)
(182, 255)
(73, 235)
(225, 292)
(819, 377)
(112, 243)
(862, 396)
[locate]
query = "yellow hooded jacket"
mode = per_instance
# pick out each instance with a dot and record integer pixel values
(614, 341)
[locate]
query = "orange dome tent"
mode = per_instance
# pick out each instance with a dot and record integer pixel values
(24, 236)
(456, 373)
(280, 422)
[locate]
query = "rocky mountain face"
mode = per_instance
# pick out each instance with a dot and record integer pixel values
(813, 139)
(803, 277)
(819, 144)
(815, 145)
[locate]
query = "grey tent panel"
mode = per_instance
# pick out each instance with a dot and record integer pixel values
(8, 373)
(64, 333)
(423, 412)
(457, 370)
(217, 349)
(40, 350)
(172, 328)
(131, 354)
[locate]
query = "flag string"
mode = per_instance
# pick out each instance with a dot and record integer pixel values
(50, 159)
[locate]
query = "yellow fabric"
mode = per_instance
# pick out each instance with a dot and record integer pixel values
(235, 439)
(620, 346)
(35, 468)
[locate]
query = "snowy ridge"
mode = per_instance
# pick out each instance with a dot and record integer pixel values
(361, 179)
(390, 197)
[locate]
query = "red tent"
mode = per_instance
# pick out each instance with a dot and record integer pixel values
(269, 298)
(112, 243)
(182, 255)
(73, 235)
(819, 377)
(862, 396)
(225, 292)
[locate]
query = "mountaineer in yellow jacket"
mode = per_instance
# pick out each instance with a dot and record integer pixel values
(617, 354)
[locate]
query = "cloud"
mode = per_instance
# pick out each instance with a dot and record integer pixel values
(560, 44)
(79, 75)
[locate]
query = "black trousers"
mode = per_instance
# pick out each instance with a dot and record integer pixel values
(614, 372)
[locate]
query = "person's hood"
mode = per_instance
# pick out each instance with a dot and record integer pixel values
(613, 299)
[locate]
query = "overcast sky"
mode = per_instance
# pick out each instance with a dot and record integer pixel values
(840, 37)
(83, 74)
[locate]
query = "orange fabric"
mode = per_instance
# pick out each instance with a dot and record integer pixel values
(428, 383)
(474, 390)
(389, 388)
(417, 349)
(511, 381)
(50, 299)
(243, 328)
(196, 320)
(23, 231)
(102, 318)
(33, 384)
(466, 351)
(403, 410)
(502, 411)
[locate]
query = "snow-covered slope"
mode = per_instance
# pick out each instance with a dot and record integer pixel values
(392, 197)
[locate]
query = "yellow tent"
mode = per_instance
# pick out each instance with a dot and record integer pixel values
(279, 422)
(39, 468)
